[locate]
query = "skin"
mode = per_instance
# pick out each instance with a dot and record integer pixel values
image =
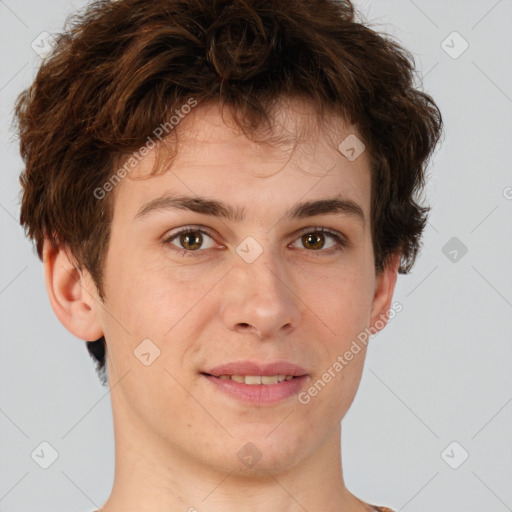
(176, 436)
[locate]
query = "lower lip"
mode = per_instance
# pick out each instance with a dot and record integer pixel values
(259, 393)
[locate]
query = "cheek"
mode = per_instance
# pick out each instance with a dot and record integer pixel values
(342, 300)
(156, 301)
(342, 306)
(148, 297)
(150, 302)
(333, 388)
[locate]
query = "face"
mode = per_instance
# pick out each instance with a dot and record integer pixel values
(287, 279)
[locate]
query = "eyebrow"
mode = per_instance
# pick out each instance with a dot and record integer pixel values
(329, 206)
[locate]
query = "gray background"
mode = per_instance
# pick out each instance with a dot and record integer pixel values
(440, 372)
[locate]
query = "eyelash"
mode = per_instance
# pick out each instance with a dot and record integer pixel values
(341, 243)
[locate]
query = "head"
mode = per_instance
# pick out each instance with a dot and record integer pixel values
(244, 103)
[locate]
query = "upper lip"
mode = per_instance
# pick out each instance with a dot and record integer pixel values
(253, 368)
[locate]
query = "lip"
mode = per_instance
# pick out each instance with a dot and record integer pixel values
(253, 368)
(261, 394)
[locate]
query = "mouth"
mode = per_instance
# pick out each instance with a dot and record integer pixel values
(252, 380)
(258, 384)
(254, 370)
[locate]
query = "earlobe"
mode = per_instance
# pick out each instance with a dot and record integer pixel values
(384, 289)
(72, 296)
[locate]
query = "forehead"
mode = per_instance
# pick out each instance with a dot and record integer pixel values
(297, 161)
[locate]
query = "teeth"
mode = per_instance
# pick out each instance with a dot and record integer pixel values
(257, 379)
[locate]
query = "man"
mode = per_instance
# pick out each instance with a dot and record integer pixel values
(223, 194)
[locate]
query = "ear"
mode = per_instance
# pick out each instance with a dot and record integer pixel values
(72, 294)
(383, 295)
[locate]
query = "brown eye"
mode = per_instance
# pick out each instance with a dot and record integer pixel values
(313, 241)
(317, 239)
(191, 240)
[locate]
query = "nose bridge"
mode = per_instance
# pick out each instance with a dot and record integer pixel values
(261, 298)
(263, 273)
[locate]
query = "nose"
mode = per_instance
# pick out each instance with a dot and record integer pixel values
(260, 299)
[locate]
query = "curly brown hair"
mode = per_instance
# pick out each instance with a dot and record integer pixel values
(121, 68)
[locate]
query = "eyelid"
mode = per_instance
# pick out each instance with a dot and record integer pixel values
(324, 230)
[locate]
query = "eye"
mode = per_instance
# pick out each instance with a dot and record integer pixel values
(314, 239)
(190, 239)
